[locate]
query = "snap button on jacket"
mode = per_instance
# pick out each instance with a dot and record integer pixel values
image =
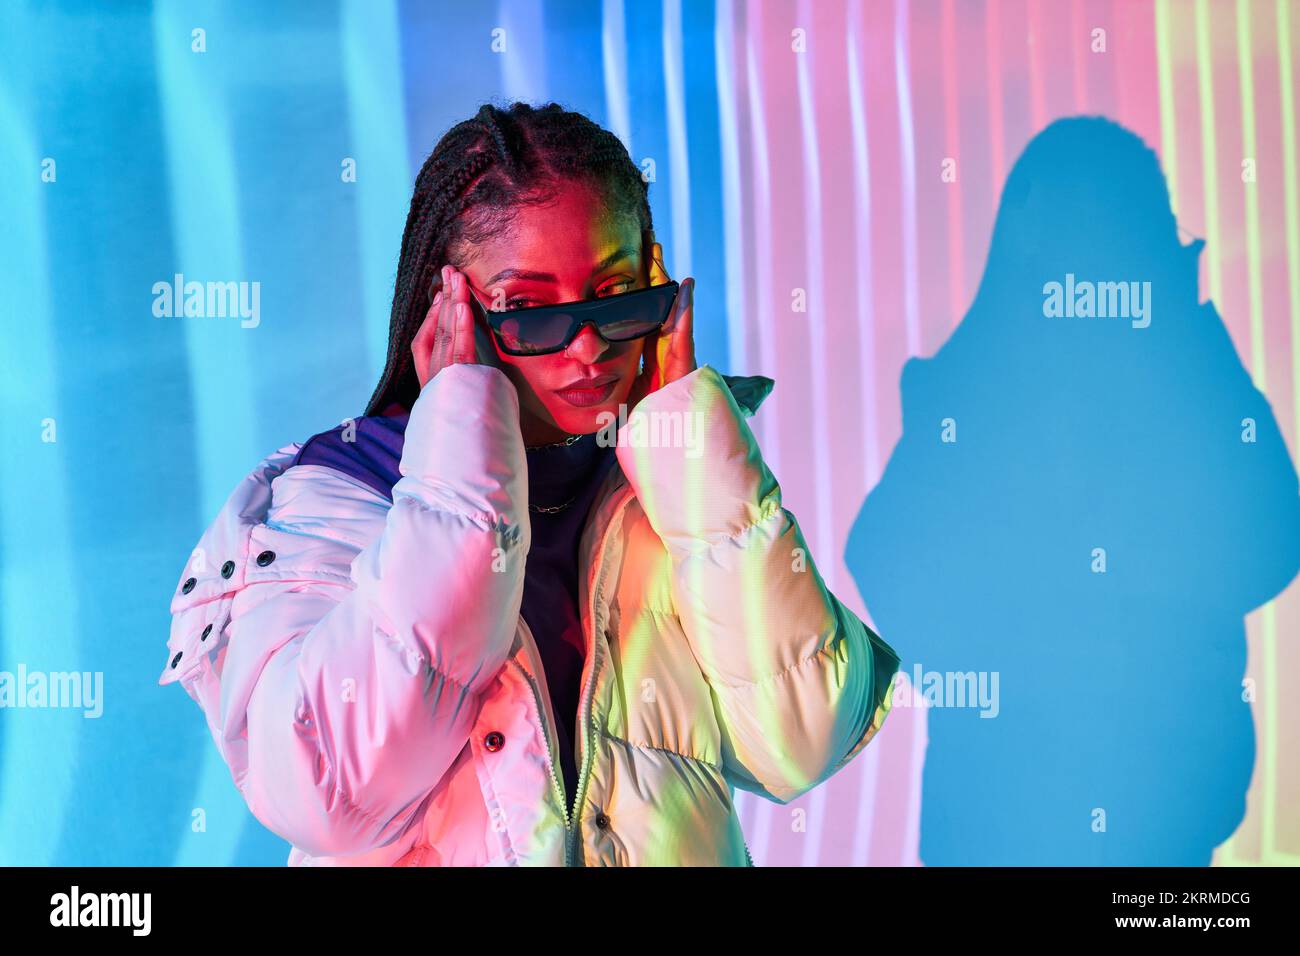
(366, 675)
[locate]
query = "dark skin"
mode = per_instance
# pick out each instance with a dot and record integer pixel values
(565, 251)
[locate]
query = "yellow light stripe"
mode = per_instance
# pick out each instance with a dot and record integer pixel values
(1290, 172)
(1245, 74)
(1269, 718)
(1168, 114)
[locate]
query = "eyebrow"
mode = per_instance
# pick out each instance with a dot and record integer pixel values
(527, 275)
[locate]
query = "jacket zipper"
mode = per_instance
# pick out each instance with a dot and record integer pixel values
(586, 722)
(584, 727)
(549, 729)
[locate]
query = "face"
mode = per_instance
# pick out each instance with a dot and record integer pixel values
(564, 252)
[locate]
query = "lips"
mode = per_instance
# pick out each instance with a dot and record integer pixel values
(583, 392)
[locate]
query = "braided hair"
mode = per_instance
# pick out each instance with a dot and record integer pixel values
(481, 171)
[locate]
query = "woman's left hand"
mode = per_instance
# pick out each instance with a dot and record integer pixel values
(669, 354)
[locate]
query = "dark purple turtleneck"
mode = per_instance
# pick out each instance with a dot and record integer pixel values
(557, 475)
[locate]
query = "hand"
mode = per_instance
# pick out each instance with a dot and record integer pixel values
(450, 334)
(669, 354)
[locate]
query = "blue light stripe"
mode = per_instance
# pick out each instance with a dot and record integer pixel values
(38, 594)
(205, 222)
(370, 38)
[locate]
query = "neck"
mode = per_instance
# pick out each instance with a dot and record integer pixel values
(537, 432)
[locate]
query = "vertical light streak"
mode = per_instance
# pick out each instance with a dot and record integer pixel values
(868, 773)
(907, 148)
(952, 147)
(523, 67)
(613, 48)
(1209, 160)
(209, 241)
(1168, 112)
(993, 66)
(372, 69)
(733, 210)
(679, 165)
(38, 593)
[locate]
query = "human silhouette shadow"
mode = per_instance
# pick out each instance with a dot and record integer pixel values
(1117, 497)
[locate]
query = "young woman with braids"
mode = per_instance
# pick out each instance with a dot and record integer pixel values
(484, 624)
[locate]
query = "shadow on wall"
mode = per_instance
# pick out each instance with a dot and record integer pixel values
(1088, 497)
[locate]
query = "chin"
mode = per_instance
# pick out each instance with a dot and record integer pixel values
(584, 421)
(578, 420)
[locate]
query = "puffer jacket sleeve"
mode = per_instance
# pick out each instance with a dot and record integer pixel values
(800, 685)
(340, 669)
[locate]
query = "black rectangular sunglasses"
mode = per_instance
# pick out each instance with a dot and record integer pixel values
(544, 329)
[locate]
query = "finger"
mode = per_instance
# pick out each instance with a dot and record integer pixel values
(464, 351)
(683, 333)
(452, 317)
(485, 347)
(454, 299)
(677, 354)
(422, 342)
(652, 356)
(644, 383)
(462, 319)
(443, 328)
(683, 306)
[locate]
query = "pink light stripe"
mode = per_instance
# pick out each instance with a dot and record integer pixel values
(907, 150)
(1080, 47)
(861, 138)
(761, 203)
(957, 293)
(993, 59)
(1037, 95)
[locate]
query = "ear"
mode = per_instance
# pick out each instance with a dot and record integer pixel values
(647, 245)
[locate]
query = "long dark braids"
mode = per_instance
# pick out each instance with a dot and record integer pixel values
(480, 171)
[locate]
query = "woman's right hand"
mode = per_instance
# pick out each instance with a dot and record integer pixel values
(450, 334)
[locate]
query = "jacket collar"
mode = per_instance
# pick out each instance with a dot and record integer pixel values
(749, 391)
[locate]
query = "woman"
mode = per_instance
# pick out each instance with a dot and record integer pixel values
(485, 624)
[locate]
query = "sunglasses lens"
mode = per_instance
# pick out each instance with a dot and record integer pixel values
(531, 333)
(619, 318)
(634, 318)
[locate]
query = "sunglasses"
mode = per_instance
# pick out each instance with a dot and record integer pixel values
(544, 329)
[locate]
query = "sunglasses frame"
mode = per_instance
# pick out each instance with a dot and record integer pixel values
(495, 317)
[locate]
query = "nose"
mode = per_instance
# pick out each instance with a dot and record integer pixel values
(587, 346)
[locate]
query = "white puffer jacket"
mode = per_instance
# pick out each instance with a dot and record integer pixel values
(367, 676)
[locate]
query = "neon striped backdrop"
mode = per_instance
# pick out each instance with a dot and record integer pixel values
(796, 144)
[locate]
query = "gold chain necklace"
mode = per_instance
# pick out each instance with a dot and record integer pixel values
(552, 509)
(555, 444)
